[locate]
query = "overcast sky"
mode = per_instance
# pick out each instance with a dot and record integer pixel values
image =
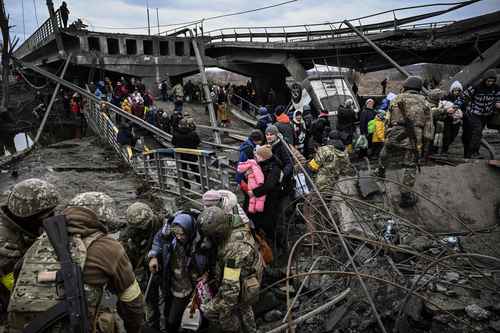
(101, 14)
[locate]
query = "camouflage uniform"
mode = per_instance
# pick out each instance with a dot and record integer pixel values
(103, 262)
(237, 259)
(330, 163)
(33, 198)
(137, 239)
(398, 146)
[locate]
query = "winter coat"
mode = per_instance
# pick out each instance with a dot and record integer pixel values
(165, 244)
(283, 158)
(138, 110)
(255, 178)
(299, 133)
(320, 129)
(481, 99)
(379, 132)
(246, 152)
(125, 136)
(285, 128)
(263, 119)
(285, 162)
(75, 106)
(271, 189)
(364, 118)
(185, 138)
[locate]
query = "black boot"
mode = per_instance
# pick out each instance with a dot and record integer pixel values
(408, 200)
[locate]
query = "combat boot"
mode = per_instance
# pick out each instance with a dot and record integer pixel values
(408, 200)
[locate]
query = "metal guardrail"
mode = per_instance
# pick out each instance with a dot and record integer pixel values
(186, 173)
(40, 36)
(304, 33)
(243, 105)
(333, 29)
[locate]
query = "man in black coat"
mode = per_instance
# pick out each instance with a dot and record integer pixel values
(271, 189)
(282, 155)
(185, 136)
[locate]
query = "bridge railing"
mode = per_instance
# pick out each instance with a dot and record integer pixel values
(336, 29)
(243, 105)
(186, 173)
(40, 36)
(290, 34)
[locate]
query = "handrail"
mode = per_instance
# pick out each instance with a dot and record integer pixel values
(186, 173)
(44, 31)
(253, 110)
(456, 5)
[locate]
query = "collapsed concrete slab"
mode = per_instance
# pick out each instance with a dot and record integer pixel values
(469, 191)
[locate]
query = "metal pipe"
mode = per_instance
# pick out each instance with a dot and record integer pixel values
(314, 312)
(51, 103)
(204, 83)
(381, 52)
(342, 242)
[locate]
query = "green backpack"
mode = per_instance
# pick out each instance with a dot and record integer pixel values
(371, 126)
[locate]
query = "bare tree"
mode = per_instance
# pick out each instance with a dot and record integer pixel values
(7, 48)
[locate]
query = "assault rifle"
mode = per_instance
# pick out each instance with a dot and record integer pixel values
(74, 304)
(410, 132)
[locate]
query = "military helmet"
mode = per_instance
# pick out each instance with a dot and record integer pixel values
(32, 196)
(413, 83)
(99, 203)
(213, 222)
(435, 95)
(139, 214)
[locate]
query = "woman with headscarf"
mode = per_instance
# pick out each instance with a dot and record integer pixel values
(181, 266)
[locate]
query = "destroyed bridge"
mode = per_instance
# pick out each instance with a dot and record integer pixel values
(269, 54)
(357, 260)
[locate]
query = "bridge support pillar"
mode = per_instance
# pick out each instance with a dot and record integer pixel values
(299, 74)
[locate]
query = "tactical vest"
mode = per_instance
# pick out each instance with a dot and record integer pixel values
(417, 110)
(30, 297)
(251, 277)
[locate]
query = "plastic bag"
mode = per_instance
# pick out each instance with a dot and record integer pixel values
(361, 143)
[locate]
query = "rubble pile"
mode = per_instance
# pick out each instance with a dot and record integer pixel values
(418, 280)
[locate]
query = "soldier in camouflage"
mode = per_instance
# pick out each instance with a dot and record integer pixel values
(28, 204)
(237, 271)
(137, 239)
(330, 162)
(105, 268)
(398, 145)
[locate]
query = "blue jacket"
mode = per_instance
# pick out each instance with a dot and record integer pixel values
(263, 119)
(165, 243)
(246, 153)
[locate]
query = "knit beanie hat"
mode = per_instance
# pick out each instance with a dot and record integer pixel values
(272, 129)
(490, 74)
(211, 198)
(265, 152)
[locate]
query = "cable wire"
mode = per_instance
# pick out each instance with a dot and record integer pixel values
(202, 19)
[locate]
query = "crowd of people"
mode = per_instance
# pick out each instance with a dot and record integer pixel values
(211, 262)
(207, 261)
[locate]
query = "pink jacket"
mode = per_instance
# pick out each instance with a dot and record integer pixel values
(255, 178)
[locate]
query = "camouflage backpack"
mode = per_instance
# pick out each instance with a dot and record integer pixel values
(36, 290)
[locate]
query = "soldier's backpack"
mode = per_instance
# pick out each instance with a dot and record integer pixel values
(38, 293)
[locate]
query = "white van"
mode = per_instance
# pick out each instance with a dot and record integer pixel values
(331, 89)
